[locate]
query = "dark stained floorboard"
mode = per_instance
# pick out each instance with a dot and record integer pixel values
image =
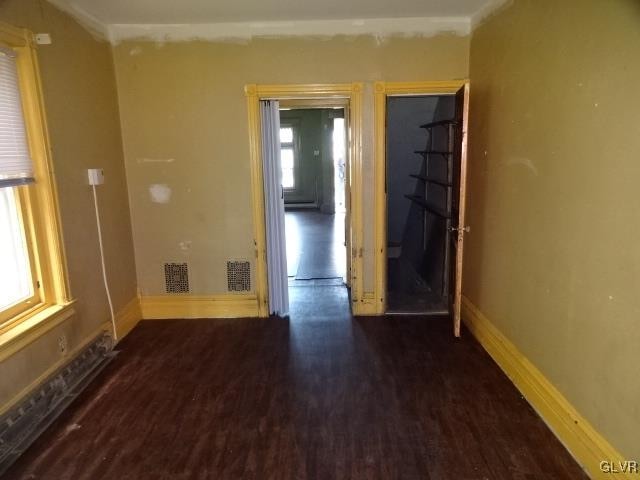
(320, 396)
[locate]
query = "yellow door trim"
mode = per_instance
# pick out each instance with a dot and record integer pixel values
(353, 93)
(382, 91)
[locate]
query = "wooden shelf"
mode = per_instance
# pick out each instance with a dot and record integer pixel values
(441, 123)
(432, 180)
(428, 207)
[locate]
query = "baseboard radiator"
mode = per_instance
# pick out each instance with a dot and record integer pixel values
(23, 423)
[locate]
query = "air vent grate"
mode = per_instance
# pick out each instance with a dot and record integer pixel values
(176, 277)
(238, 276)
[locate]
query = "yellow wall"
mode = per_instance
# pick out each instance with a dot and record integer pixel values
(82, 112)
(184, 124)
(553, 257)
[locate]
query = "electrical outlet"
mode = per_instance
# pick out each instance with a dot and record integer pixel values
(62, 344)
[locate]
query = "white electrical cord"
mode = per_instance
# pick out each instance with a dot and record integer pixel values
(104, 269)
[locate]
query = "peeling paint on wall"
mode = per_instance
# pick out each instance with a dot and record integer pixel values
(160, 193)
(380, 28)
(243, 31)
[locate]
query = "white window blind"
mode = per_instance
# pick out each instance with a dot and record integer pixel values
(16, 167)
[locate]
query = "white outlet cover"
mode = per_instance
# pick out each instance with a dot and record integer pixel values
(43, 39)
(95, 176)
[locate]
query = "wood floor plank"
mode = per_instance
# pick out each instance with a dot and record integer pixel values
(319, 396)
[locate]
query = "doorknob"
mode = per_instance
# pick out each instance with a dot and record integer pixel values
(466, 229)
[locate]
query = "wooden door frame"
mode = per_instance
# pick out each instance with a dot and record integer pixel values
(382, 91)
(311, 94)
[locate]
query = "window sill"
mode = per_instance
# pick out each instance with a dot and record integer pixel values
(33, 326)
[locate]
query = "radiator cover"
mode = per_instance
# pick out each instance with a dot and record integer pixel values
(22, 424)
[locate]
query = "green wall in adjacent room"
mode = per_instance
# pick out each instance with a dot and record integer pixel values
(314, 150)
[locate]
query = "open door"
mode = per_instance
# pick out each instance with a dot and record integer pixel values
(458, 227)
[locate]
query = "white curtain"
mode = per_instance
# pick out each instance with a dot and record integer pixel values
(274, 209)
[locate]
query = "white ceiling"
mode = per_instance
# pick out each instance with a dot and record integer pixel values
(220, 11)
(163, 19)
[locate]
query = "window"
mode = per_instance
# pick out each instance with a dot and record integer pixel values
(287, 157)
(33, 283)
(18, 290)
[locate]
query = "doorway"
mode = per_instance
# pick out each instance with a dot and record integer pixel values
(349, 98)
(419, 190)
(313, 162)
(420, 174)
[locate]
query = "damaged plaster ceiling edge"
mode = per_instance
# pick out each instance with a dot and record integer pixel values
(244, 31)
(381, 28)
(487, 11)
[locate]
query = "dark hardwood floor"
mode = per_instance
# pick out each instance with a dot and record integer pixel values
(319, 396)
(315, 245)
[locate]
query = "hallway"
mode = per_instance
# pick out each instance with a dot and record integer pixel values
(315, 247)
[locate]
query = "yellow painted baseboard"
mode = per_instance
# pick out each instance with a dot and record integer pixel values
(190, 306)
(128, 317)
(587, 446)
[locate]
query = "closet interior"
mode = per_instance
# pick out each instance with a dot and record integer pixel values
(422, 180)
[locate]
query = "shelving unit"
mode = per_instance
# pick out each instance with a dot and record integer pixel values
(435, 181)
(430, 208)
(431, 154)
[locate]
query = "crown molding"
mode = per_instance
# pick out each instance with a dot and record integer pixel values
(245, 31)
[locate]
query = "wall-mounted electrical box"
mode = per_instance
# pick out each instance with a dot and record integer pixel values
(96, 176)
(42, 38)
